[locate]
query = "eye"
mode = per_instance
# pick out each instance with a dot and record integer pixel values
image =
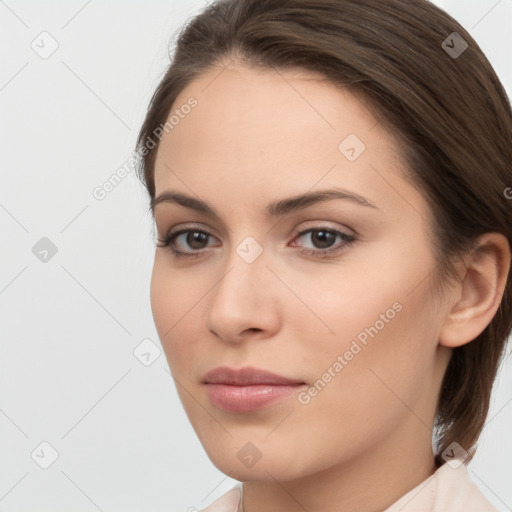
(193, 242)
(195, 239)
(323, 240)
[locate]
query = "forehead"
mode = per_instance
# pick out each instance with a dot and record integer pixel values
(259, 131)
(253, 110)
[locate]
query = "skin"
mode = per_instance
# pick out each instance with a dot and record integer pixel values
(255, 137)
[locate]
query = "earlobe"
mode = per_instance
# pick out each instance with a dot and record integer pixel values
(480, 290)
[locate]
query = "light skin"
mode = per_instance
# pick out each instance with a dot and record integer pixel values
(261, 136)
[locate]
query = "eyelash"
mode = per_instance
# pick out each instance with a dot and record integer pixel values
(347, 239)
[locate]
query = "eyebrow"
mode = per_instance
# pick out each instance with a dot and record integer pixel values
(275, 209)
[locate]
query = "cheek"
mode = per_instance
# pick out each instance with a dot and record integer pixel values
(361, 293)
(375, 314)
(357, 402)
(174, 306)
(162, 298)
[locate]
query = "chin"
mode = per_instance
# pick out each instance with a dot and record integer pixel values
(246, 461)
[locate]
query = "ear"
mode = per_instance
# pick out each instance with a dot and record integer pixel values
(478, 295)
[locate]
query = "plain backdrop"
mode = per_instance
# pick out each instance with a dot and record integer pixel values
(78, 393)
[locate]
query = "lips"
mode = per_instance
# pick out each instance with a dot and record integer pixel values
(247, 389)
(246, 376)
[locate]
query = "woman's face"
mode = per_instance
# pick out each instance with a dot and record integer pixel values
(343, 310)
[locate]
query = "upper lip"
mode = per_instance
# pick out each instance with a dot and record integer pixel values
(246, 376)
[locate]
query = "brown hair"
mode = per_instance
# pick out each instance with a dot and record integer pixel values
(449, 112)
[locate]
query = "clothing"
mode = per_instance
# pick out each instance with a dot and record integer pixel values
(449, 489)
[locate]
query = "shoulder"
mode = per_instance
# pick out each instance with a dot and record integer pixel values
(450, 488)
(459, 492)
(228, 502)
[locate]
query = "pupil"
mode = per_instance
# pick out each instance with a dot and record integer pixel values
(322, 238)
(196, 236)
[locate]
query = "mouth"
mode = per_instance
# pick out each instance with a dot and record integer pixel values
(247, 376)
(247, 389)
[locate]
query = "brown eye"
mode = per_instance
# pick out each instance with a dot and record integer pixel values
(323, 240)
(186, 242)
(196, 239)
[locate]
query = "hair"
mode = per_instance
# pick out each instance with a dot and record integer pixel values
(449, 113)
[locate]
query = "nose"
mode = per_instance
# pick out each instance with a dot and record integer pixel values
(244, 303)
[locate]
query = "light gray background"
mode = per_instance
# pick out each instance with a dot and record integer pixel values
(68, 329)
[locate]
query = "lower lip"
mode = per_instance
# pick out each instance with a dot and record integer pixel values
(248, 398)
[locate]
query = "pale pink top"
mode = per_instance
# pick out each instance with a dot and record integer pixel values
(449, 489)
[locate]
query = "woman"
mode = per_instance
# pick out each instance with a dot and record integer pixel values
(332, 282)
